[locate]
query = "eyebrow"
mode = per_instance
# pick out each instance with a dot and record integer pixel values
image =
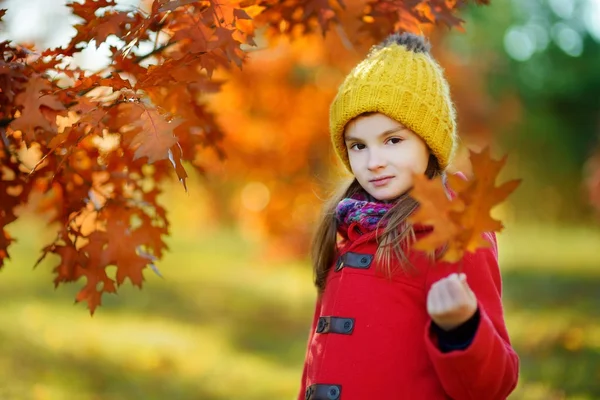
(384, 133)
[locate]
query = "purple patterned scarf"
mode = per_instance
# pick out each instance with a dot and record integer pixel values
(362, 210)
(368, 211)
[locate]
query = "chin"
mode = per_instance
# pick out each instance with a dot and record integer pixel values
(387, 194)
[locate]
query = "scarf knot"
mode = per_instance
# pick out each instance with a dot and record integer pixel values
(358, 209)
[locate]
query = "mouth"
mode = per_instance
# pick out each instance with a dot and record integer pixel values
(381, 181)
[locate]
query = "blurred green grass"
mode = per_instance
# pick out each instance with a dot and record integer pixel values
(224, 324)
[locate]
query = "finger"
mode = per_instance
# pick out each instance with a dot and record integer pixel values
(469, 299)
(457, 293)
(434, 300)
(445, 294)
(431, 299)
(444, 283)
(453, 275)
(468, 289)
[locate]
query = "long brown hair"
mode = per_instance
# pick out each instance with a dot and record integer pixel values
(396, 236)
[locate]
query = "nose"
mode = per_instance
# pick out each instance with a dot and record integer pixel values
(376, 160)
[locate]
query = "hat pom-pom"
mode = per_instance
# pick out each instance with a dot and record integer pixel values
(412, 42)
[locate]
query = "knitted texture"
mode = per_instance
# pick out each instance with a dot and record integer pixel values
(404, 85)
(366, 214)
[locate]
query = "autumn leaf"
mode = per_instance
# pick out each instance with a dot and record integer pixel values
(151, 135)
(480, 196)
(231, 46)
(14, 190)
(121, 251)
(321, 11)
(95, 132)
(70, 267)
(382, 17)
(94, 271)
(176, 157)
(88, 30)
(99, 29)
(238, 13)
(194, 34)
(442, 12)
(434, 210)
(116, 82)
(32, 100)
(460, 222)
(90, 113)
(111, 24)
(87, 9)
(170, 5)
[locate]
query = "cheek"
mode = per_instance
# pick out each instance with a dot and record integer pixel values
(416, 165)
(351, 156)
(353, 162)
(424, 163)
(356, 159)
(421, 160)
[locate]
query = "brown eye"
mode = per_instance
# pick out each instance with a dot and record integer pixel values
(395, 140)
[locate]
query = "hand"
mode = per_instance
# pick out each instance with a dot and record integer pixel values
(450, 301)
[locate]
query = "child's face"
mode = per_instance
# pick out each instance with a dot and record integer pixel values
(380, 147)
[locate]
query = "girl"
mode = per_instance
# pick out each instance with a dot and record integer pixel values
(391, 323)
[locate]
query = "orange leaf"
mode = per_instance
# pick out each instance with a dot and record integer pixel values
(460, 223)
(123, 243)
(90, 177)
(166, 5)
(111, 24)
(32, 99)
(480, 196)
(434, 210)
(175, 156)
(153, 135)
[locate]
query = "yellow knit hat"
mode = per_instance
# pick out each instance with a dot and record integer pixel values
(401, 80)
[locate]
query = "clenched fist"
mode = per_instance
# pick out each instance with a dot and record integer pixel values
(450, 301)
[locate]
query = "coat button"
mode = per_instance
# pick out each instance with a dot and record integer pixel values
(333, 393)
(364, 260)
(348, 325)
(321, 325)
(309, 391)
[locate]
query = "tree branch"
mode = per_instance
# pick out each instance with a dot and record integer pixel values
(153, 52)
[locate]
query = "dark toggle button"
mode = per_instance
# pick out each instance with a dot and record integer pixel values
(354, 260)
(323, 392)
(340, 325)
(348, 325)
(309, 392)
(323, 323)
(333, 392)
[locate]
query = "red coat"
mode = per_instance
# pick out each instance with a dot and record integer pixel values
(379, 344)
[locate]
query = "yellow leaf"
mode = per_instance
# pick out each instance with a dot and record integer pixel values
(480, 196)
(459, 223)
(434, 210)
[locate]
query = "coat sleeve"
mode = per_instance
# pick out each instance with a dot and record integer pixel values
(302, 393)
(488, 367)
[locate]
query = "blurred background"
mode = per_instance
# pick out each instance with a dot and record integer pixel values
(230, 316)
